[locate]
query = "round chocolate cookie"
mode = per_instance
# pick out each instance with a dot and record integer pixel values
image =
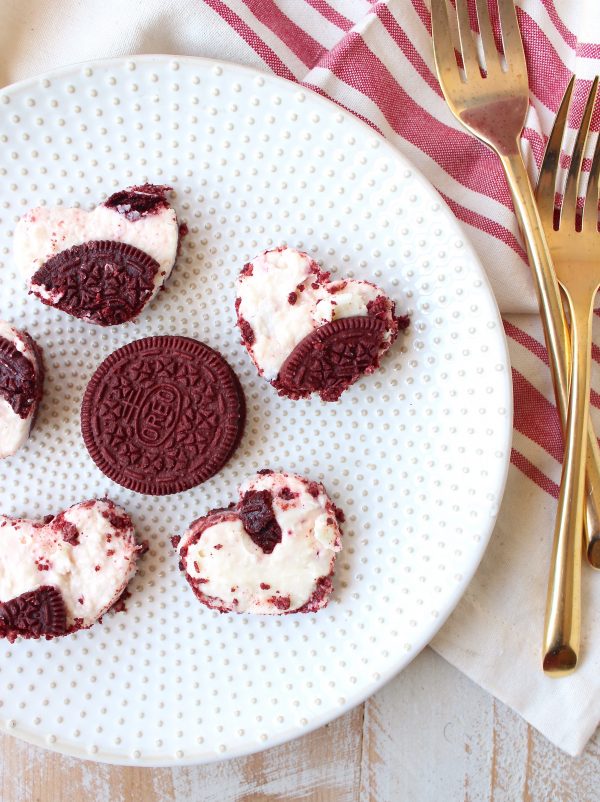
(162, 414)
(332, 357)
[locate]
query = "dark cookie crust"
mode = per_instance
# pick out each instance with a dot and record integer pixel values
(162, 414)
(20, 382)
(101, 281)
(332, 357)
(141, 201)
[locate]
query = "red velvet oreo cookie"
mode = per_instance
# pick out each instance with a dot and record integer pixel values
(162, 414)
(332, 357)
(102, 281)
(34, 614)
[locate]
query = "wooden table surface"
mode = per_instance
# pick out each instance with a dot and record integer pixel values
(431, 735)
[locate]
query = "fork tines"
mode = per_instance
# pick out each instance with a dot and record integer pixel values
(568, 214)
(511, 39)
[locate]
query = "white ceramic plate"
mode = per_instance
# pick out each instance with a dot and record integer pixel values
(416, 454)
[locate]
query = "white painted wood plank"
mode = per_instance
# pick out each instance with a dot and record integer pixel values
(432, 735)
(422, 731)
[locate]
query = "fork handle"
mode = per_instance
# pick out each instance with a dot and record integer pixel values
(556, 332)
(563, 605)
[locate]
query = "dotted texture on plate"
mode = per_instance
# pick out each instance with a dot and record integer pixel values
(415, 454)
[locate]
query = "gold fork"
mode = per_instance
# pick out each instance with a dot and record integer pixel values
(493, 108)
(576, 255)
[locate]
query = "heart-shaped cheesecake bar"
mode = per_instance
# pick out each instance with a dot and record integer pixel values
(307, 334)
(61, 574)
(273, 552)
(105, 265)
(21, 387)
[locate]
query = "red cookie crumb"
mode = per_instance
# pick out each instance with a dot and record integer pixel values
(18, 381)
(258, 519)
(141, 201)
(247, 331)
(281, 602)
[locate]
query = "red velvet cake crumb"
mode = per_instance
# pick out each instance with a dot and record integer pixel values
(313, 489)
(119, 606)
(69, 531)
(247, 331)
(18, 383)
(120, 522)
(281, 602)
(322, 591)
(258, 519)
(141, 201)
(379, 307)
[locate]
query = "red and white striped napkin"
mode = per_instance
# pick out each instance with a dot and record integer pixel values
(375, 58)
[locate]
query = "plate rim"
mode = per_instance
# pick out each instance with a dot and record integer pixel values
(426, 632)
